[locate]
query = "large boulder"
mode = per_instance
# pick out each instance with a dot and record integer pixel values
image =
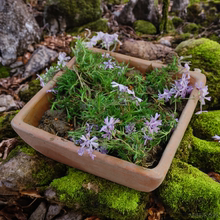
(18, 29)
(139, 10)
(205, 56)
(76, 13)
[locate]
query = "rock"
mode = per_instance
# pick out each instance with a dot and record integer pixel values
(188, 193)
(112, 200)
(139, 10)
(180, 6)
(16, 64)
(53, 210)
(39, 60)
(73, 215)
(24, 168)
(8, 103)
(205, 56)
(198, 147)
(75, 13)
(166, 40)
(39, 213)
(16, 30)
(145, 50)
(144, 27)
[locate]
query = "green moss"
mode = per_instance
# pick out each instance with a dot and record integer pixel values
(144, 27)
(116, 2)
(191, 28)
(164, 20)
(177, 21)
(184, 149)
(4, 71)
(47, 170)
(6, 130)
(206, 125)
(99, 25)
(100, 197)
(188, 193)
(80, 12)
(214, 37)
(205, 56)
(34, 87)
(182, 37)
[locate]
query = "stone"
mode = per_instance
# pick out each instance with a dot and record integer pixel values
(180, 6)
(16, 30)
(75, 13)
(139, 10)
(39, 213)
(71, 214)
(41, 57)
(205, 56)
(53, 210)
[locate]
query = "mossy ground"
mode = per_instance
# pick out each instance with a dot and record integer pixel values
(4, 71)
(101, 197)
(188, 193)
(6, 130)
(34, 87)
(191, 28)
(205, 56)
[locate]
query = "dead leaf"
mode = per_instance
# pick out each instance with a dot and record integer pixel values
(91, 186)
(31, 193)
(215, 176)
(6, 146)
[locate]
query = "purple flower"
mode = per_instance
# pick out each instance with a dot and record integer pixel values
(130, 128)
(62, 58)
(102, 150)
(109, 65)
(109, 127)
(106, 55)
(147, 138)
(203, 91)
(121, 87)
(89, 144)
(216, 138)
(166, 95)
(42, 83)
(153, 124)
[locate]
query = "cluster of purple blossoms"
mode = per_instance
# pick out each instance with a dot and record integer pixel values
(203, 91)
(109, 127)
(62, 59)
(180, 87)
(88, 145)
(151, 127)
(107, 40)
(123, 88)
(130, 128)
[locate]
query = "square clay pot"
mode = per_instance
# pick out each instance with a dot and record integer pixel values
(111, 168)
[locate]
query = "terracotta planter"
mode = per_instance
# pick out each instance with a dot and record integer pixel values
(105, 166)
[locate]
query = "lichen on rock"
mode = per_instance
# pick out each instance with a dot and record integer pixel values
(99, 196)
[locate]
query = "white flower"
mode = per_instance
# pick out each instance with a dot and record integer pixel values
(62, 58)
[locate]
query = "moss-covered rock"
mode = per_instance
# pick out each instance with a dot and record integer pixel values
(177, 21)
(188, 193)
(78, 13)
(99, 25)
(144, 27)
(6, 130)
(197, 146)
(182, 37)
(191, 28)
(193, 12)
(98, 196)
(214, 37)
(27, 94)
(205, 56)
(4, 71)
